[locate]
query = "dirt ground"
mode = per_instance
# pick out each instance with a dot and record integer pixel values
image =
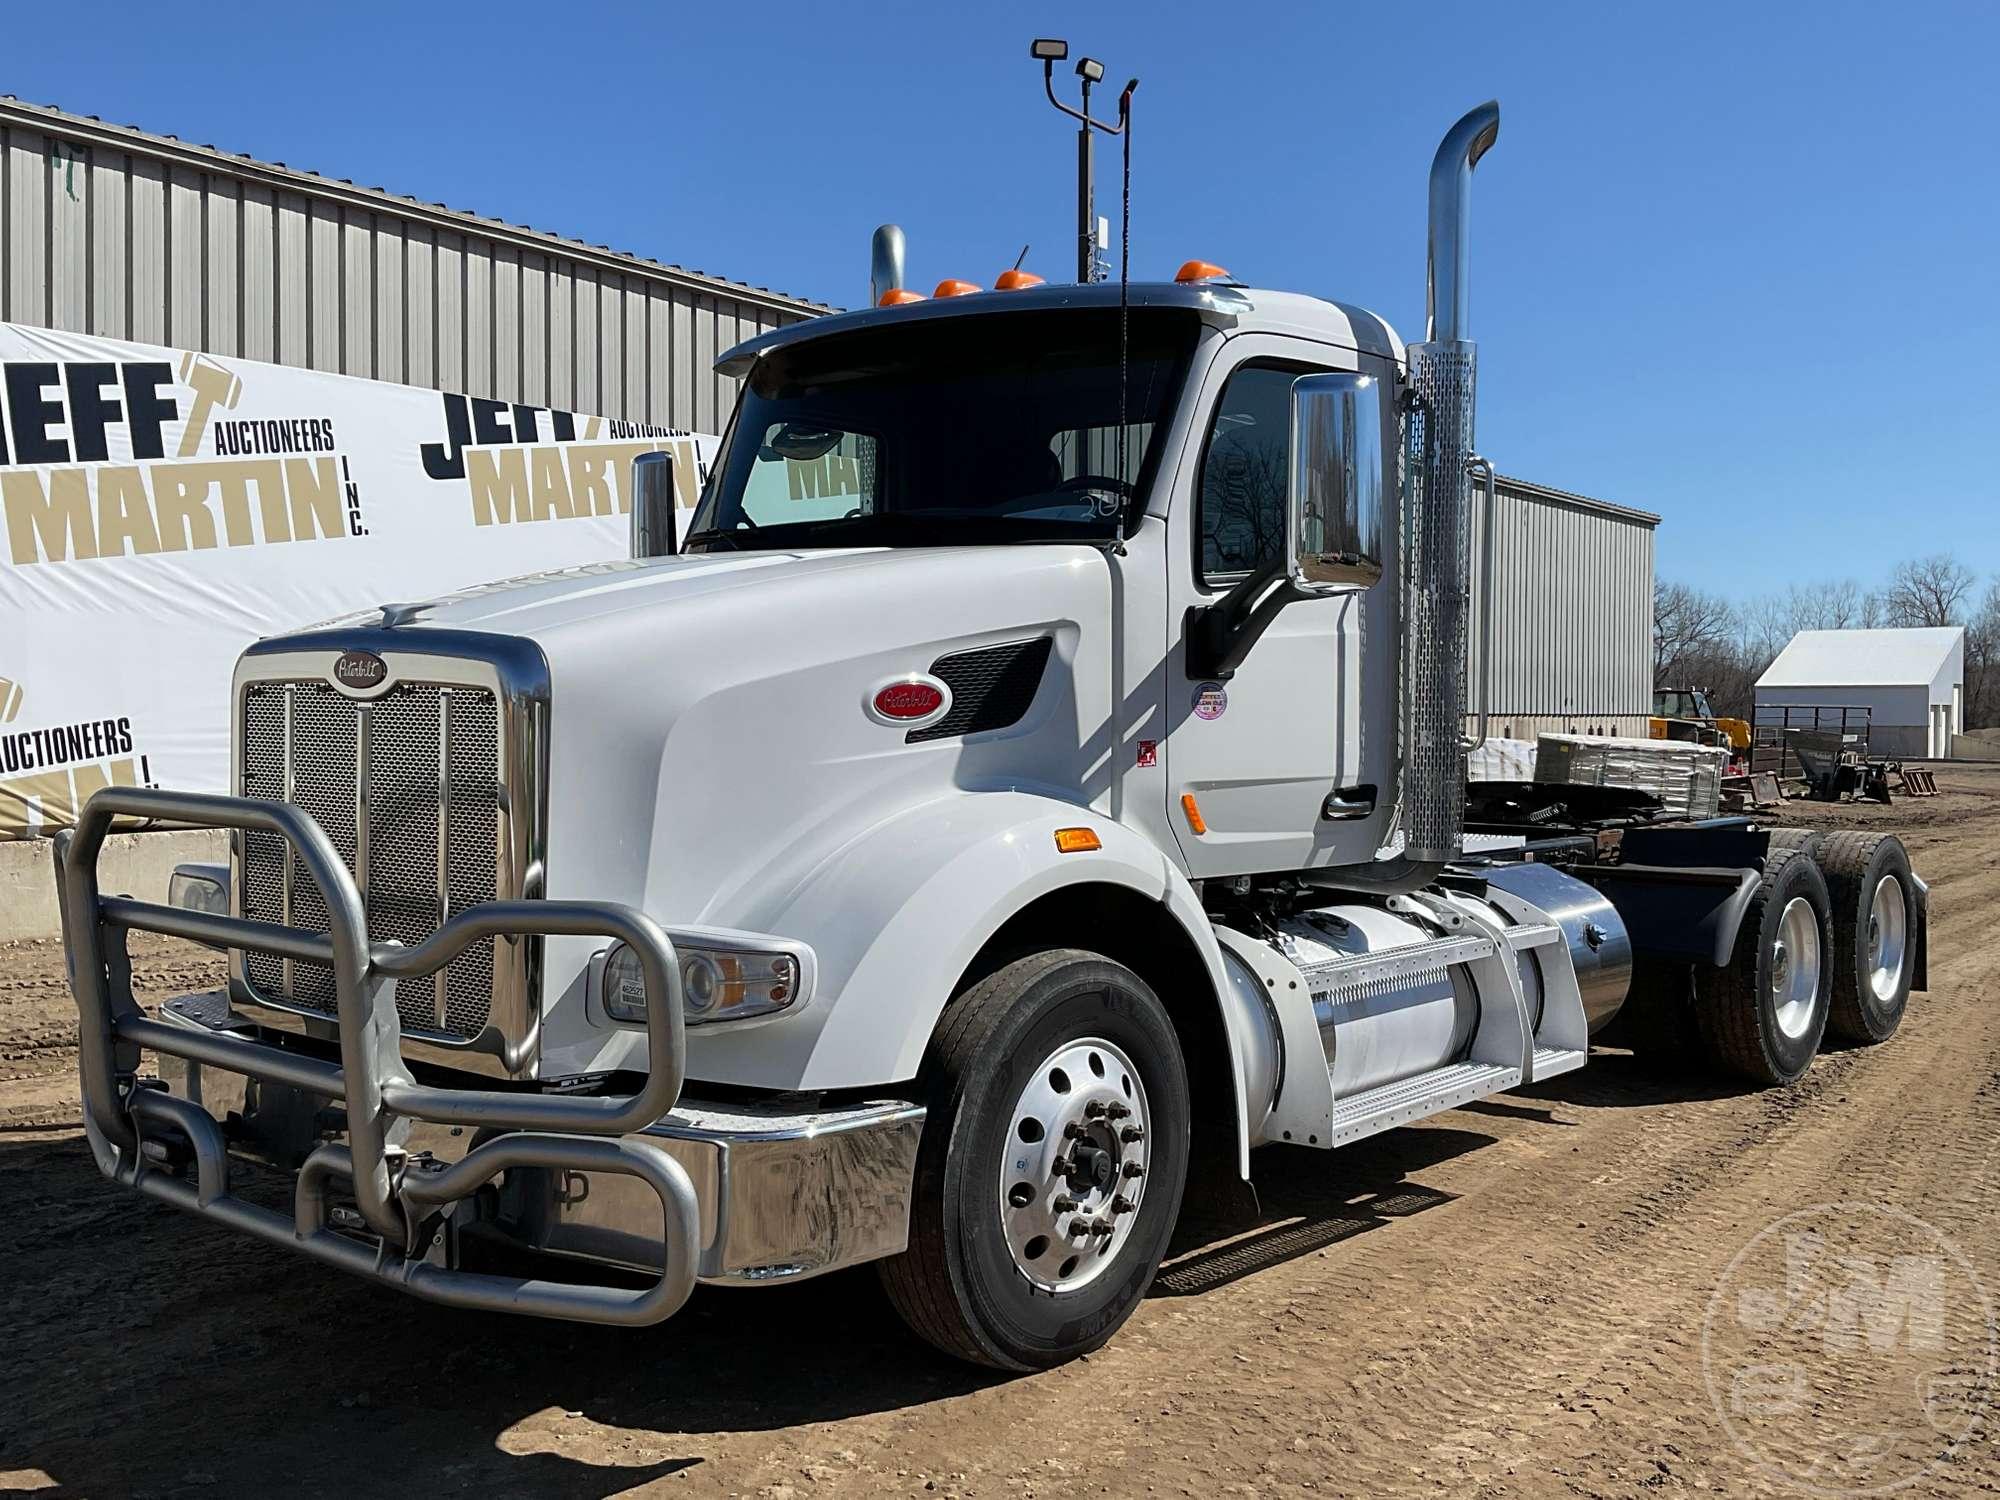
(1508, 1299)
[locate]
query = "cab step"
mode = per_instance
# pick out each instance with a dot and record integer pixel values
(1551, 1061)
(1391, 1104)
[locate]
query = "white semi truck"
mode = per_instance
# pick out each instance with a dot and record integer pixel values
(1037, 774)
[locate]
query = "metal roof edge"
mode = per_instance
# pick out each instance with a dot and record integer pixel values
(1575, 501)
(379, 200)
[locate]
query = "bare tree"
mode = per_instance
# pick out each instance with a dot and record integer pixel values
(1982, 661)
(1688, 624)
(1930, 590)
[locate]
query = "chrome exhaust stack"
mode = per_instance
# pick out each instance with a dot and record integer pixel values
(885, 263)
(1437, 540)
(1436, 544)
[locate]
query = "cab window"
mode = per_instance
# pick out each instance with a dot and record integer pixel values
(1241, 509)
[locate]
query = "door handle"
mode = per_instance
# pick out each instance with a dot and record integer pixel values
(1348, 802)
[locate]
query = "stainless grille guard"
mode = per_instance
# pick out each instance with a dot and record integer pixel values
(397, 1200)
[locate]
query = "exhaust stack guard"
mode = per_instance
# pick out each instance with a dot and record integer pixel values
(1437, 514)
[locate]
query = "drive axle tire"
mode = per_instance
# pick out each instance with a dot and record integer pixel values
(1051, 1166)
(1874, 933)
(1763, 1015)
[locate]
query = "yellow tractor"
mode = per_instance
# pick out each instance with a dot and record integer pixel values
(1684, 714)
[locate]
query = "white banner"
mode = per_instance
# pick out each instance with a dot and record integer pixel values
(161, 509)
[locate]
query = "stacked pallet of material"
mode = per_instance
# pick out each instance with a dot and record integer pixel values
(1686, 778)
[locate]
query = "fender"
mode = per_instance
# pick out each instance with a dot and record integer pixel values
(895, 916)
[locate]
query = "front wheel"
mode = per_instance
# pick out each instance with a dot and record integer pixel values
(1052, 1163)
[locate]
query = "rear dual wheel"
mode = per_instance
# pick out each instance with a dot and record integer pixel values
(1763, 1014)
(1051, 1166)
(1875, 913)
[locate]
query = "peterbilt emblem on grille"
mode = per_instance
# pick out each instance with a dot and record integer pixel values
(360, 671)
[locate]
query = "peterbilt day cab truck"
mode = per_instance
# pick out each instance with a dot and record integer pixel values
(1037, 773)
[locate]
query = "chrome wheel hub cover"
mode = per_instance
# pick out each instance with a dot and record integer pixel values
(1795, 968)
(1888, 937)
(1079, 1143)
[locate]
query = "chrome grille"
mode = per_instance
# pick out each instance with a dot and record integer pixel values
(407, 786)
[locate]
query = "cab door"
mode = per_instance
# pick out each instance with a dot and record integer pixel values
(1288, 761)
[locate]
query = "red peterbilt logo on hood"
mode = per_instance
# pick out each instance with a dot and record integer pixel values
(909, 702)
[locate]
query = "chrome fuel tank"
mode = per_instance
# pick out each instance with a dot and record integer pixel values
(1599, 945)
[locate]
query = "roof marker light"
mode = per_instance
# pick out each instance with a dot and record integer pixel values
(1200, 270)
(896, 296)
(951, 286)
(1016, 280)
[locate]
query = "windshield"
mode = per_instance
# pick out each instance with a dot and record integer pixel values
(944, 431)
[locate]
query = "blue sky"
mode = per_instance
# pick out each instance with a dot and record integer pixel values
(1735, 264)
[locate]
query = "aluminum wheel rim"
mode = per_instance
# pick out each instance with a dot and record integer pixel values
(1888, 937)
(1079, 1144)
(1795, 968)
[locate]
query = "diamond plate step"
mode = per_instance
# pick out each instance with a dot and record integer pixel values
(1392, 1104)
(1386, 965)
(1550, 1061)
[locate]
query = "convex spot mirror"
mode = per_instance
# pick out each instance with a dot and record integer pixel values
(1333, 513)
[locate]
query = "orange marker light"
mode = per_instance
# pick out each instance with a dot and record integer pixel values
(1193, 811)
(1015, 280)
(951, 286)
(896, 296)
(1200, 270)
(1077, 840)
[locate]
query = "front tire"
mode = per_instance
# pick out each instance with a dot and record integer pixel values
(1052, 1163)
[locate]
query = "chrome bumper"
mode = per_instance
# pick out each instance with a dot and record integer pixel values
(782, 1194)
(572, 1173)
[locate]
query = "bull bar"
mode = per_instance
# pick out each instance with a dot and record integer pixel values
(403, 1201)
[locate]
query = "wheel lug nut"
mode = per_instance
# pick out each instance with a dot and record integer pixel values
(1132, 1133)
(1073, 1131)
(1099, 1228)
(1118, 1111)
(1133, 1169)
(1064, 1205)
(1122, 1204)
(1095, 1110)
(1059, 1167)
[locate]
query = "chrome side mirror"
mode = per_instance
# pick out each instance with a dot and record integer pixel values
(1333, 521)
(653, 519)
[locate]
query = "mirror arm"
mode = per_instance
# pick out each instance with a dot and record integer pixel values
(1220, 636)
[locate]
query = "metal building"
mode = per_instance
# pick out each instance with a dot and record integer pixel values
(109, 230)
(1572, 613)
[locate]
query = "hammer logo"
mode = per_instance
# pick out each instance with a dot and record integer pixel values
(213, 387)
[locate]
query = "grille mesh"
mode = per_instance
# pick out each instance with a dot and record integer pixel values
(990, 688)
(400, 813)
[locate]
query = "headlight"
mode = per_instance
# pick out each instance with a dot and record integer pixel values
(717, 984)
(200, 887)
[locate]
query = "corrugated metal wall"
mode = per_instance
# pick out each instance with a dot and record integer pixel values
(113, 232)
(1573, 612)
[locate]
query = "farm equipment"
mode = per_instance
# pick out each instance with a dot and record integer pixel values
(1832, 771)
(1685, 714)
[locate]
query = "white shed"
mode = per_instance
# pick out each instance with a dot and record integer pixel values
(1910, 682)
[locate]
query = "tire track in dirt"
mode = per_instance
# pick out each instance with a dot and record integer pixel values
(1506, 1300)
